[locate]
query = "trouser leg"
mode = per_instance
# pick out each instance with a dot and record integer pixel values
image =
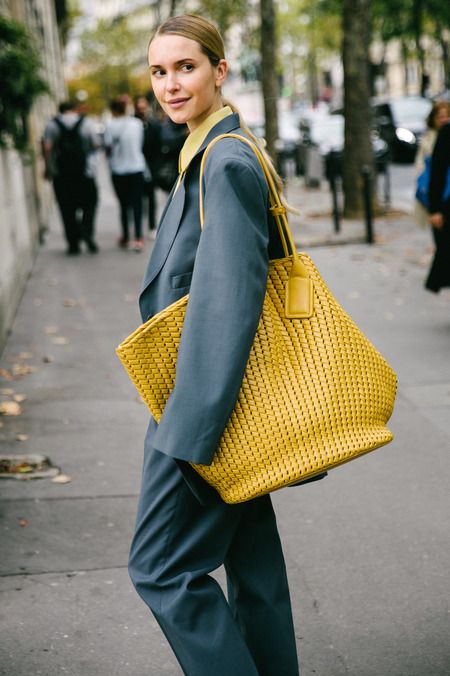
(136, 188)
(65, 197)
(88, 201)
(177, 543)
(121, 190)
(258, 591)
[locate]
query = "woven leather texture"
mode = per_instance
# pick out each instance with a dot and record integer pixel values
(316, 393)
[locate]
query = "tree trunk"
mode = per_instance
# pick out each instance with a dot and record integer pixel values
(268, 74)
(357, 151)
(445, 56)
(417, 18)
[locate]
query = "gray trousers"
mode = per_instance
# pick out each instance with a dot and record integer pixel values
(178, 542)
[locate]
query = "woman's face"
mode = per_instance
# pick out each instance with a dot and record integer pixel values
(184, 81)
(441, 117)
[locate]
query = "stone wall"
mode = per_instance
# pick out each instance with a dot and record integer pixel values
(25, 198)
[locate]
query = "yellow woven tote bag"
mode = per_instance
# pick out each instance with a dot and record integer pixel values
(315, 394)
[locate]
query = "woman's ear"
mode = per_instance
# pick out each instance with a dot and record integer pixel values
(221, 72)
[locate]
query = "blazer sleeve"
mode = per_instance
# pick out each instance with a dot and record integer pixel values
(225, 302)
(440, 161)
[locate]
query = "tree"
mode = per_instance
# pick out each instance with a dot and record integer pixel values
(355, 55)
(22, 84)
(268, 72)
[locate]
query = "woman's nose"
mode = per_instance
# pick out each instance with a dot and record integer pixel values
(172, 82)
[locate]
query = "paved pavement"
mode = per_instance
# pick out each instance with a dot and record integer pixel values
(367, 549)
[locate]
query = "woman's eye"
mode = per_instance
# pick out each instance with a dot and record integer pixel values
(187, 67)
(157, 72)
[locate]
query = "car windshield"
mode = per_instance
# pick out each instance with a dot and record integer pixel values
(410, 110)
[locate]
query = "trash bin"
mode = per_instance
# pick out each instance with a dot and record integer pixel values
(313, 167)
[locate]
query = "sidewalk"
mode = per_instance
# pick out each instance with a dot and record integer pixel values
(367, 549)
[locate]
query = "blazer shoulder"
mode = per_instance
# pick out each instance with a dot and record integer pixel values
(229, 153)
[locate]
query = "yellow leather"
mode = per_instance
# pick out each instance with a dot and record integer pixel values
(315, 394)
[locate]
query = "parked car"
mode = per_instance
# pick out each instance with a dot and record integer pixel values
(326, 133)
(401, 121)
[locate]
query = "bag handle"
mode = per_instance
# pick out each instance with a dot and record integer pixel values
(299, 288)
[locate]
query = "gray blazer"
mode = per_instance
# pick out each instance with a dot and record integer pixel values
(224, 270)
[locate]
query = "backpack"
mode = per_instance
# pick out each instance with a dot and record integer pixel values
(70, 150)
(423, 185)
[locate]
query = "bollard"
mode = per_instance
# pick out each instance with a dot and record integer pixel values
(332, 174)
(387, 185)
(367, 197)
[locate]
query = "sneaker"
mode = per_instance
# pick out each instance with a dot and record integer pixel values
(122, 243)
(152, 235)
(138, 245)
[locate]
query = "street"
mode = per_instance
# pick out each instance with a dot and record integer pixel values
(367, 549)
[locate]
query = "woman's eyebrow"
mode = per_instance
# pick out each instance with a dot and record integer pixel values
(176, 63)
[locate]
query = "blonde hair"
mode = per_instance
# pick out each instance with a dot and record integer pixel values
(206, 35)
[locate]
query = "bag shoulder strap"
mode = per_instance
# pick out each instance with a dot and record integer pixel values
(299, 290)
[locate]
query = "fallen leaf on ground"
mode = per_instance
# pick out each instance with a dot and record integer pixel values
(23, 369)
(7, 375)
(19, 398)
(62, 479)
(7, 391)
(22, 437)
(1, 424)
(10, 408)
(70, 302)
(51, 330)
(60, 340)
(48, 359)
(25, 355)
(23, 523)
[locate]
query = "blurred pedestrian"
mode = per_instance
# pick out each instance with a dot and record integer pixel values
(438, 116)
(143, 112)
(171, 137)
(124, 140)
(69, 145)
(439, 275)
(184, 531)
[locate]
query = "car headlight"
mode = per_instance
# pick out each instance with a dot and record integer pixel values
(405, 135)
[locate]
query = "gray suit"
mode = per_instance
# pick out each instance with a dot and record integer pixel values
(184, 531)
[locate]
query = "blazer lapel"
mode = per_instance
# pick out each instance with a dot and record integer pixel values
(170, 222)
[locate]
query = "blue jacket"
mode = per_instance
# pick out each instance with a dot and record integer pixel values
(224, 270)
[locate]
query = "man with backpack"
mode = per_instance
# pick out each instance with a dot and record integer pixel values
(69, 145)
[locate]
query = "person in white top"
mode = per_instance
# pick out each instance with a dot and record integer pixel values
(124, 140)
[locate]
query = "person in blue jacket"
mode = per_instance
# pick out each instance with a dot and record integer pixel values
(183, 529)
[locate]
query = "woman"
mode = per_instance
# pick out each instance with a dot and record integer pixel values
(183, 530)
(439, 275)
(438, 116)
(124, 140)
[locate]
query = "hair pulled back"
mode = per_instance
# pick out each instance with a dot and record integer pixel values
(206, 35)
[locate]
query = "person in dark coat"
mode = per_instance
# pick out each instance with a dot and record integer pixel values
(439, 275)
(184, 531)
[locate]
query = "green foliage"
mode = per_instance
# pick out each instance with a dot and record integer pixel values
(224, 13)
(22, 84)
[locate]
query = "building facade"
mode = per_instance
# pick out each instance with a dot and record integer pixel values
(25, 198)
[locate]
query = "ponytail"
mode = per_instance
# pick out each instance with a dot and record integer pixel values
(261, 144)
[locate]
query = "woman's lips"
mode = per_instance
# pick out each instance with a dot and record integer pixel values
(177, 103)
